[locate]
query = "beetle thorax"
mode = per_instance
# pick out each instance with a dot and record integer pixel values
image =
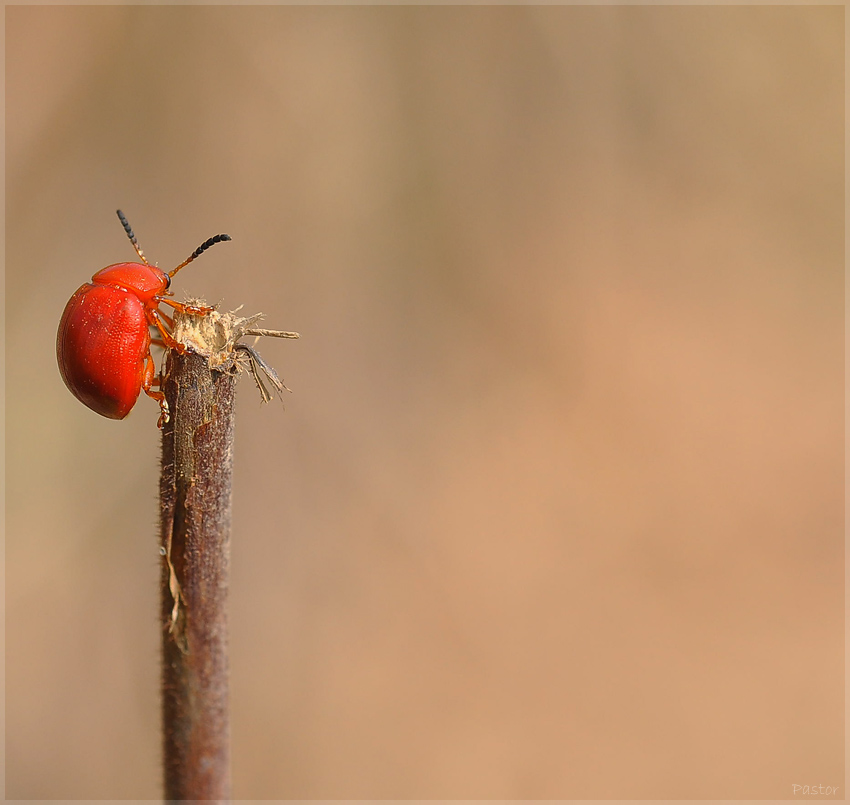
(142, 280)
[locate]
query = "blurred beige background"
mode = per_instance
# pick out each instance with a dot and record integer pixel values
(555, 509)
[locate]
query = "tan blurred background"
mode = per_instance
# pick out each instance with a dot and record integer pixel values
(555, 509)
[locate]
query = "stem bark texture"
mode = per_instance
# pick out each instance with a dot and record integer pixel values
(195, 493)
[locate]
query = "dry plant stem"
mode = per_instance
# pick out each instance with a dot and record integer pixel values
(195, 491)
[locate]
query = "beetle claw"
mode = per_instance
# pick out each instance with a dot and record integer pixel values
(164, 414)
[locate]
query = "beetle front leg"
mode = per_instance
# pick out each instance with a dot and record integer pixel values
(184, 307)
(155, 318)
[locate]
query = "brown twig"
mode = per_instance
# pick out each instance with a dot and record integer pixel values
(195, 491)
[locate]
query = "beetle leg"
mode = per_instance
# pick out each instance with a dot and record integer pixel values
(197, 310)
(149, 380)
(155, 318)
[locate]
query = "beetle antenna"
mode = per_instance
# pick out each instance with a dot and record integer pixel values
(128, 229)
(200, 250)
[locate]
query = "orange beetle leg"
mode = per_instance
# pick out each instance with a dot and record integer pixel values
(197, 310)
(149, 380)
(155, 318)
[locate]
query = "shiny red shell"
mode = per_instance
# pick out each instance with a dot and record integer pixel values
(103, 343)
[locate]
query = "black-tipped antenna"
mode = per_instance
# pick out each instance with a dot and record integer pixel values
(128, 229)
(200, 250)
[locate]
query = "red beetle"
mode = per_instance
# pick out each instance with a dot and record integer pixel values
(104, 345)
